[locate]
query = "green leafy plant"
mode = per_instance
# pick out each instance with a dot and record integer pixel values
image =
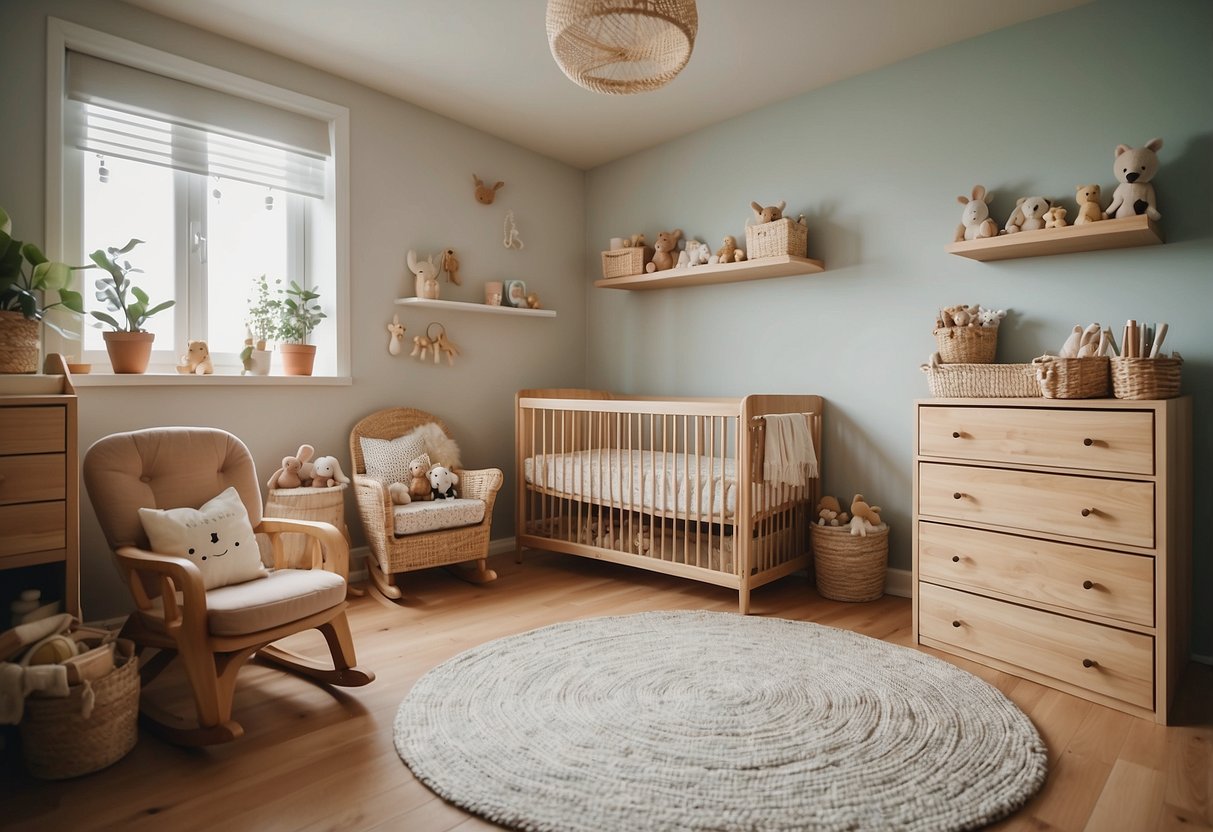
(299, 314)
(23, 289)
(119, 294)
(264, 311)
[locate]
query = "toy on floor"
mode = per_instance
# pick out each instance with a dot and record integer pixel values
(975, 222)
(1135, 168)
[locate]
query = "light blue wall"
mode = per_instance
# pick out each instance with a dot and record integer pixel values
(876, 163)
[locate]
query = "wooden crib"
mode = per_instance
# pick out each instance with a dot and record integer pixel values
(671, 485)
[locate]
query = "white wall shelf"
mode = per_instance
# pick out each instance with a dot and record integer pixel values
(466, 306)
(1126, 232)
(785, 265)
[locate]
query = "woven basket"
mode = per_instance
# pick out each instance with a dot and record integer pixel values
(773, 239)
(849, 567)
(58, 741)
(981, 381)
(1146, 378)
(18, 343)
(323, 505)
(623, 262)
(967, 344)
(1073, 378)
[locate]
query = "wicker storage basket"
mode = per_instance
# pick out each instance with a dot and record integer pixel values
(623, 262)
(981, 381)
(58, 741)
(1146, 378)
(773, 239)
(18, 343)
(324, 505)
(849, 567)
(1073, 378)
(967, 344)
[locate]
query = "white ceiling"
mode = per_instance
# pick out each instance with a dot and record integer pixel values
(486, 63)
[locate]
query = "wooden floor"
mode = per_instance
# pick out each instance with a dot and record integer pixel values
(318, 760)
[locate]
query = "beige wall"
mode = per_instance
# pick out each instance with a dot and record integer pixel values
(410, 186)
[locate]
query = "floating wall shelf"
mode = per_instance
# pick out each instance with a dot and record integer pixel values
(1093, 236)
(785, 265)
(466, 306)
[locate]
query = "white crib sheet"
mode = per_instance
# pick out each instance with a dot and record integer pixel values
(643, 481)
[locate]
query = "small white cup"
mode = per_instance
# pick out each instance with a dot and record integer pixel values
(616, 242)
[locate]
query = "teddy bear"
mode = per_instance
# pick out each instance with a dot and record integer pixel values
(1087, 197)
(728, 252)
(960, 315)
(296, 471)
(1028, 214)
(663, 248)
(1135, 168)
(830, 513)
(695, 254)
(443, 482)
(1055, 217)
(975, 222)
(197, 360)
(419, 483)
(326, 472)
(768, 214)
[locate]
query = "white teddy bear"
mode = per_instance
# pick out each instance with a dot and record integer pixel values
(1135, 168)
(443, 482)
(1029, 214)
(990, 317)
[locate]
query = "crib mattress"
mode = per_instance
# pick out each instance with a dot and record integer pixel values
(646, 481)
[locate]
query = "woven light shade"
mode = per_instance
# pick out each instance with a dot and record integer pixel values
(620, 47)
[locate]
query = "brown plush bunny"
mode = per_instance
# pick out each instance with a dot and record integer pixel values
(296, 471)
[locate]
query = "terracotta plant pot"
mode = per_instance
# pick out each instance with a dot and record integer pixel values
(297, 359)
(129, 352)
(18, 343)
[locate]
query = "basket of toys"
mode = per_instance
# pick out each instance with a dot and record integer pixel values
(775, 238)
(623, 262)
(849, 559)
(967, 334)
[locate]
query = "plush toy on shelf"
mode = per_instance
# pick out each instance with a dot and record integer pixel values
(975, 222)
(1055, 217)
(695, 254)
(1089, 209)
(197, 360)
(728, 252)
(663, 251)
(769, 213)
(442, 483)
(1135, 168)
(296, 471)
(327, 473)
(1028, 215)
(450, 265)
(989, 317)
(532, 301)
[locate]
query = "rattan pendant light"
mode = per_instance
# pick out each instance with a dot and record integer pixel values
(620, 47)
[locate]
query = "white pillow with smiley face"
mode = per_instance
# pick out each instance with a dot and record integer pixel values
(217, 537)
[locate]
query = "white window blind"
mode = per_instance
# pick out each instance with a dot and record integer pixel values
(124, 112)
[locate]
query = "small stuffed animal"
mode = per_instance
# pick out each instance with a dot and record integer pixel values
(532, 301)
(197, 360)
(296, 471)
(637, 241)
(830, 513)
(695, 254)
(727, 251)
(989, 317)
(443, 482)
(859, 508)
(975, 222)
(663, 248)
(768, 214)
(326, 472)
(961, 315)
(425, 276)
(419, 483)
(450, 265)
(1055, 217)
(1135, 168)
(1089, 210)
(1082, 343)
(395, 330)
(1028, 214)
(484, 194)
(399, 494)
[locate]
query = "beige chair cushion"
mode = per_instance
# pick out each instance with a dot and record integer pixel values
(431, 515)
(283, 596)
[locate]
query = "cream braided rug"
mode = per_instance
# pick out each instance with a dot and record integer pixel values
(715, 721)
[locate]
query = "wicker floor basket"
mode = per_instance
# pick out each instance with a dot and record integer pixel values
(773, 239)
(967, 344)
(1073, 378)
(980, 381)
(623, 262)
(57, 739)
(323, 505)
(1146, 378)
(18, 343)
(850, 567)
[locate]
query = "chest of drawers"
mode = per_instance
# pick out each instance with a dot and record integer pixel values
(1052, 540)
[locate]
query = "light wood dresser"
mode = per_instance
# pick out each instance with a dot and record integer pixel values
(39, 488)
(1052, 540)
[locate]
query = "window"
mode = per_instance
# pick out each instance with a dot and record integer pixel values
(223, 178)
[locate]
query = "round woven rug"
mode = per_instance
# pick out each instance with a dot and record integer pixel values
(715, 721)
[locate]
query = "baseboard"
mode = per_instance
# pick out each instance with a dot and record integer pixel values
(898, 582)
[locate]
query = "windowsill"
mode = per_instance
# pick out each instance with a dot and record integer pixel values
(215, 380)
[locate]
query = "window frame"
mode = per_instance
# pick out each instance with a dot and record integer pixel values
(62, 172)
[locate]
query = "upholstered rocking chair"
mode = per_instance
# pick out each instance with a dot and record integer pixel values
(213, 631)
(404, 538)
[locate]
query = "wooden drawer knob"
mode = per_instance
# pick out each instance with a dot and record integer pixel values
(1088, 441)
(957, 495)
(1087, 512)
(1089, 663)
(1088, 584)
(955, 623)
(955, 434)
(955, 558)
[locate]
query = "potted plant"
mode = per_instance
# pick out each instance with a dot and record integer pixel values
(128, 344)
(298, 316)
(264, 312)
(23, 305)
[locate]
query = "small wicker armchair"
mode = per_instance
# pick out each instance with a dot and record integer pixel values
(390, 553)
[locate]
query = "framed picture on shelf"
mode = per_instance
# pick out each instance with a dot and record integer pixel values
(514, 294)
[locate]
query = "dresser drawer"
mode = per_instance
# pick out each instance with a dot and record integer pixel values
(33, 430)
(1115, 511)
(1121, 663)
(32, 527)
(1111, 584)
(32, 478)
(1091, 440)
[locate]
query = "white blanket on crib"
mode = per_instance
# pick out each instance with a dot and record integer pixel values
(788, 456)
